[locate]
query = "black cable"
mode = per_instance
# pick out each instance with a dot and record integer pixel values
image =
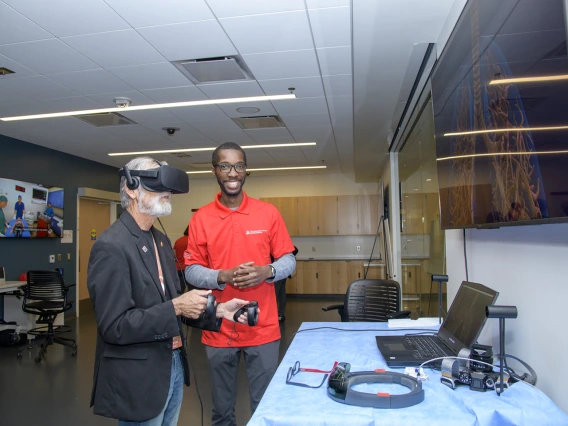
(374, 242)
(529, 378)
(465, 257)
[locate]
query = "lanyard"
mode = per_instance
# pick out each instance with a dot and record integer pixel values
(160, 275)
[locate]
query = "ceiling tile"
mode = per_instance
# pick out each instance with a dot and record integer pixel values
(10, 98)
(231, 90)
(331, 27)
(17, 28)
(175, 41)
(107, 99)
(305, 87)
(47, 56)
(287, 157)
(306, 120)
(261, 135)
(193, 114)
(75, 103)
(335, 60)
(269, 33)
(317, 4)
(338, 85)
(19, 69)
(65, 17)
(265, 108)
(175, 94)
(340, 104)
(36, 88)
(225, 125)
(224, 8)
(311, 134)
(146, 13)
(239, 137)
(115, 48)
(275, 138)
(92, 82)
(301, 106)
(270, 66)
(151, 76)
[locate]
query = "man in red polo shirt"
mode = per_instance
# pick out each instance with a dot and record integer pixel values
(229, 248)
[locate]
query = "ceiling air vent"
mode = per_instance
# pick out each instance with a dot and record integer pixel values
(105, 119)
(261, 122)
(214, 70)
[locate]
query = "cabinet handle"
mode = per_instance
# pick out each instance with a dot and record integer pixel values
(316, 274)
(358, 274)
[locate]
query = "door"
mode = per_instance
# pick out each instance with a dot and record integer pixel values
(93, 215)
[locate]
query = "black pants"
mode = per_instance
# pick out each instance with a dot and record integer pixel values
(280, 289)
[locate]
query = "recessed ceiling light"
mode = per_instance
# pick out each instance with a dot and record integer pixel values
(428, 180)
(416, 189)
(267, 169)
(529, 79)
(489, 154)
(248, 110)
(512, 129)
(153, 106)
(166, 151)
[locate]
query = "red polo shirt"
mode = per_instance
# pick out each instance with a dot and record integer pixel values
(221, 238)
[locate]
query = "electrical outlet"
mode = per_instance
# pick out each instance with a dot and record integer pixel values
(358, 248)
(59, 257)
(51, 258)
(68, 256)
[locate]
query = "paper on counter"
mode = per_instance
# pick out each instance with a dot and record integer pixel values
(410, 323)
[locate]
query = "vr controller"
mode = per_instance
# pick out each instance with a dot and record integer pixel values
(252, 313)
(209, 311)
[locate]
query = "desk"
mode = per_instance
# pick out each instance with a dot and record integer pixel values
(283, 404)
(7, 287)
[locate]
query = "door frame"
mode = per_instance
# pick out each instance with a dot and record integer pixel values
(112, 198)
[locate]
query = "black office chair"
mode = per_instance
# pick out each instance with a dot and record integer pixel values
(45, 294)
(371, 300)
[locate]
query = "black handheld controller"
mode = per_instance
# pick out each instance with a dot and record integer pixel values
(209, 308)
(252, 313)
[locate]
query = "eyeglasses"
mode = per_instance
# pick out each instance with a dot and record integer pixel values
(292, 371)
(226, 167)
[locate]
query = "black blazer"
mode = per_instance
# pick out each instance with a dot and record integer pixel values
(135, 322)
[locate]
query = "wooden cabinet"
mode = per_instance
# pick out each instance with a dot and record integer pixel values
(328, 215)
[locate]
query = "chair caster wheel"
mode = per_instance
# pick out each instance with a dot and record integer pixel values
(74, 353)
(38, 359)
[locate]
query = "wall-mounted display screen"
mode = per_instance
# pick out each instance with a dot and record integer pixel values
(499, 95)
(30, 210)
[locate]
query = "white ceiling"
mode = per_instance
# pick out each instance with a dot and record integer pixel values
(70, 55)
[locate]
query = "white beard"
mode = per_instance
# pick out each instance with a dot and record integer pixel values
(150, 203)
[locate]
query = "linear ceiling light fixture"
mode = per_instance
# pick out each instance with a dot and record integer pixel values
(529, 79)
(153, 106)
(513, 129)
(170, 151)
(490, 154)
(268, 169)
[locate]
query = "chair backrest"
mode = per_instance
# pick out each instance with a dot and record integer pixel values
(45, 285)
(371, 300)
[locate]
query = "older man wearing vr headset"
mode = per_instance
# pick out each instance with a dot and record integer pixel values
(140, 361)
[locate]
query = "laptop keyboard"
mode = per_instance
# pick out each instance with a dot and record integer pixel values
(424, 347)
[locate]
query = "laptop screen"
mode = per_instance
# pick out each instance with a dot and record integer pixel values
(466, 316)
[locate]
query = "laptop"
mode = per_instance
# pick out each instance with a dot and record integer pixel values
(459, 330)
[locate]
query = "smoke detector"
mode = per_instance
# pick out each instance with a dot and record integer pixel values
(122, 102)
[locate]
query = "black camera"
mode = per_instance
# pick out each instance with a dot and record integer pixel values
(479, 375)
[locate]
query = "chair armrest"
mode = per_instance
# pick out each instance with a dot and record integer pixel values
(70, 285)
(332, 307)
(399, 315)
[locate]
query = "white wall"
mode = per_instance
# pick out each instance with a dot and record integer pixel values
(528, 266)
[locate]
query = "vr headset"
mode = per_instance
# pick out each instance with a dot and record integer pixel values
(160, 179)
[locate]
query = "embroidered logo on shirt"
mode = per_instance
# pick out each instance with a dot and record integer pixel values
(144, 249)
(258, 231)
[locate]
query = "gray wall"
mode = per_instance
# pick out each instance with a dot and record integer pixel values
(32, 163)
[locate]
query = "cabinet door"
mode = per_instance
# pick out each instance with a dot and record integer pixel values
(347, 215)
(375, 271)
(339, 284)
(324, 284)
(288, 211)
(309, 278)
(307, 215)
(368, 214)
(294, 284)
(354, 271)
(327, 215)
